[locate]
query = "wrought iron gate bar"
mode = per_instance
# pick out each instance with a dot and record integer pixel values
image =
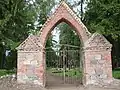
(65, 65)
(65, 45)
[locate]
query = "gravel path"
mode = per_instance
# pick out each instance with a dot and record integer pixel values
(9, 83)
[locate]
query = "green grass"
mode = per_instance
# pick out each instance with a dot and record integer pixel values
(6, 72)
(116, 73)
(70, 73)
(77, 73)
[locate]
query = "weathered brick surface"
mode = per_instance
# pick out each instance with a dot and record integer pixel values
(98, 67)
(64, 14)
(96, 54)
(30, 67)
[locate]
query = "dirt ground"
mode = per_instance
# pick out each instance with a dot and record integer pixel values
(9, 83)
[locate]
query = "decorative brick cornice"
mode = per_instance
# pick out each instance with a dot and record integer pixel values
(97, 48)
(32, 43)
(97, 42)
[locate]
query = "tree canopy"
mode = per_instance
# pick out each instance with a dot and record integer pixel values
(103, 16)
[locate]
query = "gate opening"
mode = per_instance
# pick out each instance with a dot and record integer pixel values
(63, 57)
(96, 56)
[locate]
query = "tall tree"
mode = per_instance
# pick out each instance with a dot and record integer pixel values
(68, 36)
(80, 7)
(103, 16)
(44, 10)
(18, 19)
(15, 22)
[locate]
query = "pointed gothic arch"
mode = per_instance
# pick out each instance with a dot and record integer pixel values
(64, 14)
(96, 51)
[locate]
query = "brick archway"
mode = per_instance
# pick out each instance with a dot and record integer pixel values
(76, 26)
(96, 52)
(64, 15)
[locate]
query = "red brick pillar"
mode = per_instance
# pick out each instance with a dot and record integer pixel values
(97, 61)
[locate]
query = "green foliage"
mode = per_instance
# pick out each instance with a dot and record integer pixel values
(104, 16)
(15, 19)
(68, 35)
(51, 58)
(43, 10)
(11, 60)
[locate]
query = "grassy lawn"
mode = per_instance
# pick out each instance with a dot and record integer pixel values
(116, 73)
(69, 73)
(77, 73)
(6, 72)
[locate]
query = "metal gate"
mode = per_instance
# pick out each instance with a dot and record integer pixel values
(65, 66)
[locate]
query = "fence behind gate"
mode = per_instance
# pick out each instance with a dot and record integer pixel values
(64, 65)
